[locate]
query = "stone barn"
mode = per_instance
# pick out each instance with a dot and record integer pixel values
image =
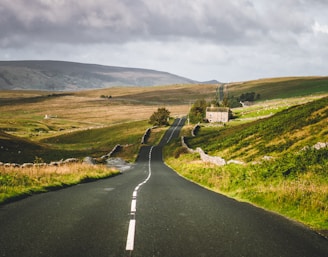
(218, 114)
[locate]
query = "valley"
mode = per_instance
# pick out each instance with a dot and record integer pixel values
(51, 126)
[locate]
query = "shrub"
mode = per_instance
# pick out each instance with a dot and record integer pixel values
(160, 118)
(179, 151)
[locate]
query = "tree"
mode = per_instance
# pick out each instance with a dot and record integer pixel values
(160, 118)
(249, 96)
(198, 111)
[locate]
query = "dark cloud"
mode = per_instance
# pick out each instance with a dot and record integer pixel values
(123, 21)
(253, 37)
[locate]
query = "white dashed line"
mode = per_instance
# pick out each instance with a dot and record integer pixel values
(173, 131)
(134, 205)
(132, 223)
(131, 232)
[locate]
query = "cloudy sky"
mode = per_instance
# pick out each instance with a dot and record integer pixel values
(231, 40)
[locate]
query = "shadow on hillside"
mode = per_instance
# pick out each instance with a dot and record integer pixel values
(29, 100)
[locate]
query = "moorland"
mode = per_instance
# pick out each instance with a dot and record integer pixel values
(68, 76)
(283, 125)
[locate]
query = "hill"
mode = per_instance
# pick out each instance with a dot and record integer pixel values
(282, 161)
(287, 131)
(14, 149)
(284, 87)
(22, 113)
(70, 76)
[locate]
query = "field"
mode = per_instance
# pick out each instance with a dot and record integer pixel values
(39, 126)
(23, 113)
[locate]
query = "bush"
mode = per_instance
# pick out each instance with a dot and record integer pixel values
(198, 111)
(179, 151)
(160, 118)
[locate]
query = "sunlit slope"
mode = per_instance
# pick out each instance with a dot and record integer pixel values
(281, 87)
(288, 130)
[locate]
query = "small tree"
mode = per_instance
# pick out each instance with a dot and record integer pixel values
(160, 118)
(198, 111)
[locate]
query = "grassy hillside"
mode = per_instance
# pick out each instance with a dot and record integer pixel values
(178, 94)
(15, 149)
(77, 124)
(289, 130)
(79, 144)
(98, 142)
(281, 87)
(22, 113)
(291, 180)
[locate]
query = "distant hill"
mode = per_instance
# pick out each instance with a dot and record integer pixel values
(284, 87)
(67, 76)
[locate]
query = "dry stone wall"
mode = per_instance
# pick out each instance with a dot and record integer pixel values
(204, 157)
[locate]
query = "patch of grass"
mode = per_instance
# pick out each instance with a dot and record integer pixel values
(19, 182)
(280, 186)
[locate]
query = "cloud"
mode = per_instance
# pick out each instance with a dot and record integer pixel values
(318, 28)
(200, 39)
(124, 21)
(112, 21)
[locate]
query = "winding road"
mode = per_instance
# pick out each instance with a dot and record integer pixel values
(149, 211)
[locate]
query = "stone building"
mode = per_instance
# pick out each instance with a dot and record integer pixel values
(218, 114)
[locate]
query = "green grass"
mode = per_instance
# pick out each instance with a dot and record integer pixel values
(282, 87)
(78, 144)
(289, 130)
(293, 183)
(276, 185)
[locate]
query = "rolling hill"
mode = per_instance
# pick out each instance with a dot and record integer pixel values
(290, 130)
(285, 87)
(14, 149)
(280, 162)
(22, 114)
(70, 76)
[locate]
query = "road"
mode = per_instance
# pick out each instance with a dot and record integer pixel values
(149, 211)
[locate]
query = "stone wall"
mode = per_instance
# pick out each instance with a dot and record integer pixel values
(204, 157)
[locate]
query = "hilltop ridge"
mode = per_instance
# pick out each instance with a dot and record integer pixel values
(71, 76)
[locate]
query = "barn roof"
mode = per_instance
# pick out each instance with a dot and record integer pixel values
(217, 109)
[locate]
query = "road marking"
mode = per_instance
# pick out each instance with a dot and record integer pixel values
(132, 224)
(173, 131)
(130, 239)
(134, 205)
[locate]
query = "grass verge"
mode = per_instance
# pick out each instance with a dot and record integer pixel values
(17, 182)
(277, 185)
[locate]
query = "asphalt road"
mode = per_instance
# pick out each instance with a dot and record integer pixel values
(149, 211)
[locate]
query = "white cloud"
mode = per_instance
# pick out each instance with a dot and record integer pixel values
(318, 28)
